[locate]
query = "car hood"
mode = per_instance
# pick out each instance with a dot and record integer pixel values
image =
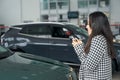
(20, 68)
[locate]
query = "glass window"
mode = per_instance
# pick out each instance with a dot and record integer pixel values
(44, 17)
(52, 0)
(104, 3)
(36, 29)
(45, 4)
(78, 29)
(93, 2)
(60, 32)
(52, 5)
(63, 4)
(82, 3)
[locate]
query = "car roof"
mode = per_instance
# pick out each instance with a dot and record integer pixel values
(60, 23)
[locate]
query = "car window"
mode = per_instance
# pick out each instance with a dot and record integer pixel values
(36, 29)
(60, 32)
(78, 29)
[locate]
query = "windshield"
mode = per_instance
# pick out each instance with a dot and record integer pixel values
(78, 29)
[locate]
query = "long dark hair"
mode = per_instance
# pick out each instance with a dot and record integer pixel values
(99, 24)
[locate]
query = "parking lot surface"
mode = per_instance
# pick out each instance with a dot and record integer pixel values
(116, 76)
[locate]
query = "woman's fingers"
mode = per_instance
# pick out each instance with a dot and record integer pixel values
(76, 41)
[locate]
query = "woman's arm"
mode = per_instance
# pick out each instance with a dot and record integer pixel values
(79, 49)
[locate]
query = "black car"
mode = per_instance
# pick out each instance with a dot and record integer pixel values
(48, 39)
(22, 66)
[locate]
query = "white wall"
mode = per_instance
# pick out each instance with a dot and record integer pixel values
(30, 10)
(17, 11)
(115, 11)
(10, 11)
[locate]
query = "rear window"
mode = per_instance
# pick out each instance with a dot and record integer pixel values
(60, 32)
(78, 29)
(36, 29)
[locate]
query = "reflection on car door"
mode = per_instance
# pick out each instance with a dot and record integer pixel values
(38, 35)
(61, 46)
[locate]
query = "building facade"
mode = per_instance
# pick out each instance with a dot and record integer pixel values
(57, 10)
(19, 11)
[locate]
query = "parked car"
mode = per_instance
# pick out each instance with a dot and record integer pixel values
(48, 39)
(116, 62)
(22, 66)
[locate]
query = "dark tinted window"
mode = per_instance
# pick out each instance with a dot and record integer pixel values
(78, 29)
(36, 29)
(59, 31)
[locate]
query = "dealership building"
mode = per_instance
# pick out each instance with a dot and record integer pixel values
(75, 11)
(57, 10)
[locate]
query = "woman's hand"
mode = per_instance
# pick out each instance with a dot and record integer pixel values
(76, 41)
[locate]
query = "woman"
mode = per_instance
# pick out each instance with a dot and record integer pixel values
(96, 55)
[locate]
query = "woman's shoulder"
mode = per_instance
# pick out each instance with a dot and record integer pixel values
(99, 38)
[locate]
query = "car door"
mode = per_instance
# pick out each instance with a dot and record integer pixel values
(61, 47)
(117, 51)
(38, 35)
